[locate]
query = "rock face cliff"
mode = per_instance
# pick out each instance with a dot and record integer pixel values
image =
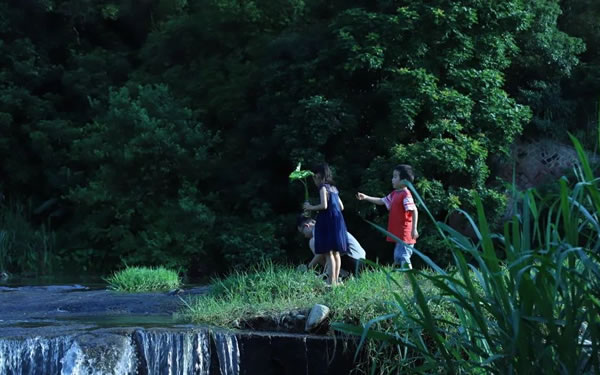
(537, 162)
(534, 163)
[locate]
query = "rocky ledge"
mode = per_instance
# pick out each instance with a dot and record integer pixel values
(72, 330)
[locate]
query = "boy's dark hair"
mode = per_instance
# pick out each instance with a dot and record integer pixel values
(405, 171)
(301, 219)
(324, 171)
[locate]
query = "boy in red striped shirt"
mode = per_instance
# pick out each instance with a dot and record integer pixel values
(403, 218)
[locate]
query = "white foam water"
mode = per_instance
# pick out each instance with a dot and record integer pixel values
(151, 352)
(32, 356)
(174, 353)
(228, 352)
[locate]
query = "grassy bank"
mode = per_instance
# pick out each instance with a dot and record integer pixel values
(371, 300)
(272, 289)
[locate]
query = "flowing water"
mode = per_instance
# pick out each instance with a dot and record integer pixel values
(78, 330)
(85, 329)
(157, 351)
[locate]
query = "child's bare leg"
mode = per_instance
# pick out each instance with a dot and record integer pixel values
(330, 268)
(334, 274)
(338, 265)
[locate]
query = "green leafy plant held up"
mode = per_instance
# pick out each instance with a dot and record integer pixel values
(299, 175)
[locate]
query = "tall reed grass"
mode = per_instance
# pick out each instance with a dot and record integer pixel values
(526, 300)
(24, 248)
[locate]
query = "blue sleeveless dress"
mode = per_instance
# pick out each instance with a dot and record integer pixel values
(330, 229)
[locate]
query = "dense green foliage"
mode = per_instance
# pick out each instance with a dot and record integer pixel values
(164, 131)
(533, 305)
(144, 279)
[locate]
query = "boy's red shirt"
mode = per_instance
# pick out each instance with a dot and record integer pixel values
(401, 206)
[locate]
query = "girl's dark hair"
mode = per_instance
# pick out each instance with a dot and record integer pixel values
(324, 171)
(405, 171)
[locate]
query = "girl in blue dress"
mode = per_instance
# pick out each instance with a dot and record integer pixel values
(330, 229)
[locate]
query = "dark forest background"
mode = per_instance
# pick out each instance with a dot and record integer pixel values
(162, 132)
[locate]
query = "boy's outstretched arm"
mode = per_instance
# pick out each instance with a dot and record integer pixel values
(364, 197)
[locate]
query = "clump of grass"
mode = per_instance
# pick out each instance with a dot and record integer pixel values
(263, 290)
(144, 279)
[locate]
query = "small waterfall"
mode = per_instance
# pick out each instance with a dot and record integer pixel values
(186, 353)
(177, 353)
(67, 355)
(150, 352)
(33, 356)
(100, 355)
(228, 352)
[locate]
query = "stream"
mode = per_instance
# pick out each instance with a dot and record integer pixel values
(76, 329)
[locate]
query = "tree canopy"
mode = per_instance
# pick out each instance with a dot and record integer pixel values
(163, 132)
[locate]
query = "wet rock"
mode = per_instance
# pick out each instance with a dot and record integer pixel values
(316, 318)
(291, 322)
(54, 300)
